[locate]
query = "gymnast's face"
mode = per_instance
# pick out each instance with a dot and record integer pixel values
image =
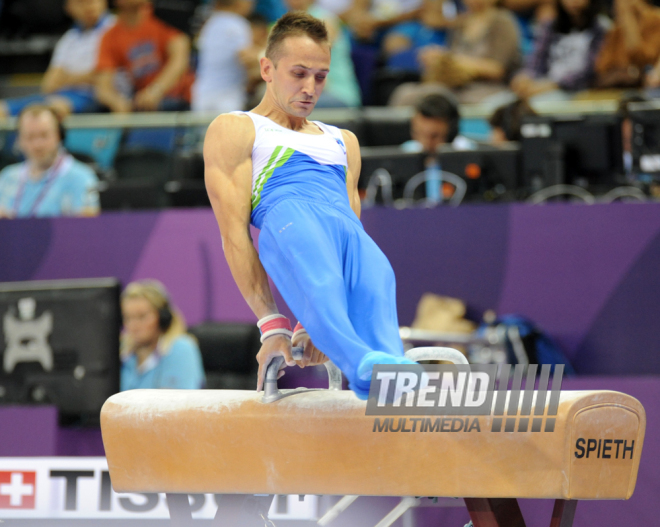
(297, 74)
(140, 321)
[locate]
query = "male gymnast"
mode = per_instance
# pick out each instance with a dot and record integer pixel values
(296, 180)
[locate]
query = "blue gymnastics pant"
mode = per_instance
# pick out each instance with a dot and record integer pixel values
(335, 280)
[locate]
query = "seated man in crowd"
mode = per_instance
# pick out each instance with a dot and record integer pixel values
(435, 123)
(50, 182)
(156, 350)
(221, 83)
(154, 56)
(68, 85)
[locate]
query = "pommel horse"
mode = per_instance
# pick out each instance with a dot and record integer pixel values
(320, 442)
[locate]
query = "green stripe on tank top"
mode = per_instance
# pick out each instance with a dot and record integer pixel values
(272, 159)
(260, 184)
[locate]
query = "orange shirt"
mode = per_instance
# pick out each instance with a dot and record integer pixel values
(142, 52)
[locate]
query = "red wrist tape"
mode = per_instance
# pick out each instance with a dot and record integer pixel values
(274, 325)
(298, 330)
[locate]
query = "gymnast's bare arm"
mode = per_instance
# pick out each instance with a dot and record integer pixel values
(228, 176)
(353, 171)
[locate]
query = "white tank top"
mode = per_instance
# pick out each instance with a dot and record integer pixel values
(275, 146)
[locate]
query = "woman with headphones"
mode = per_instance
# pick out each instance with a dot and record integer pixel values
(156, 351)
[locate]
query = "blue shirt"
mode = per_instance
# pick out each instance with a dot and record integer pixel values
(180, 368)
(65, 190)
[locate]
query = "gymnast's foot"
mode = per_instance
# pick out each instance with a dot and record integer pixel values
(365, 370)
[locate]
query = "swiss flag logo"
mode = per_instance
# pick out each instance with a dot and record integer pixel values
(17, 489)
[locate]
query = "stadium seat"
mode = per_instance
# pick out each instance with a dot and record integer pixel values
(143, 164)
(7, 159)
(36, 16)
(187, 188)
(130, 195)
(188, 165)
(163, 139)
(386, 132)
(228, 351)
(102, 144)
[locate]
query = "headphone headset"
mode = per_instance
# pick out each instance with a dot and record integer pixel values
(165, 317)
(454, 123)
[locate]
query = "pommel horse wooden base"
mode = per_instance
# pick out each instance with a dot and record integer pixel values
(321, 442)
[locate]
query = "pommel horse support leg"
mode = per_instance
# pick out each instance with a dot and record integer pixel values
(321, 442)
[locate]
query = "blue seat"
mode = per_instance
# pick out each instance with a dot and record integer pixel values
(475, 128)
(101, 144)
(163, 139)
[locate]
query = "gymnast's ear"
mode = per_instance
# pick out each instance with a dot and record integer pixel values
(267, 66)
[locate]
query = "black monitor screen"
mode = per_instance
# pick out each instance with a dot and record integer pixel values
(399, 164)
(645, 137)
(491, 172)
(584, 150)
(59, 343)
(496, 168)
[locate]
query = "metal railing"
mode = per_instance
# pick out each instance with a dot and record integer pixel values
(335, 115)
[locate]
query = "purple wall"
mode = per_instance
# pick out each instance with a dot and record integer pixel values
(587, 275)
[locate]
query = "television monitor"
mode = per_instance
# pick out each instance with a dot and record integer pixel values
(491, 172)
(401, 166)
(583, 150)
(645, 118)
(59, 344)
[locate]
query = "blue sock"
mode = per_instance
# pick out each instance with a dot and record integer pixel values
(365, 369)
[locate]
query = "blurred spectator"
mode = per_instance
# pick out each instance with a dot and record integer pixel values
(627, 128)
(540, 10)
(484, 51)
(403, 42)
(435, 123)
(564, 53)
(631, 47)
(507, 120)
(337, 7)
(530, 13)
(251, 55)
(221, 82)
(271, 10)
(68, 85)
(155, 57)
(341, 87)
(156, 351)
(368, 19)
(50, 182)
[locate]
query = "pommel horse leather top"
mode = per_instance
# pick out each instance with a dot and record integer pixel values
(321, 442)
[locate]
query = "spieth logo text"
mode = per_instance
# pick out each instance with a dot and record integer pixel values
(464, 390)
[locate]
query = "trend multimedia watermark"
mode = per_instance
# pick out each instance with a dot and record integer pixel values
(452, 397)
